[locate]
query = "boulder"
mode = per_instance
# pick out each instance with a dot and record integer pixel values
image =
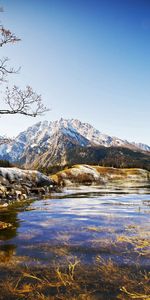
(18, 184)
(30, 177)
(98, 175)
(2, 189)
(38, 190)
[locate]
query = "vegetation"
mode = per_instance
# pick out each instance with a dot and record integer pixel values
(52, 169)
(112, 264)
(5, 164)
(117, 157)
(90, 174)
(104, 279)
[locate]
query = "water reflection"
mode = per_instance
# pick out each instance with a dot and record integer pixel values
(9, 217)
(80, 242)
(80, 222)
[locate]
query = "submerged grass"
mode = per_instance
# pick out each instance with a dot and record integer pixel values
(103, 280)
(71, 278)
(119, 266)
(68, 276)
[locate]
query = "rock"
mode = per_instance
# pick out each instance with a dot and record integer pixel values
(97, 175)
(3, 180)
(24, 197)
(18, 194)
(17, 184)
(29, 177)
(38, 190)
(2, 189)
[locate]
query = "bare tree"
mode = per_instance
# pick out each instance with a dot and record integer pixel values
(24, 102)
(16, 101)
(6, 37)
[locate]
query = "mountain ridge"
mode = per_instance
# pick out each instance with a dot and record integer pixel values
(49, 142)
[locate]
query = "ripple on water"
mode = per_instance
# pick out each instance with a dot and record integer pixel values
(90, 219)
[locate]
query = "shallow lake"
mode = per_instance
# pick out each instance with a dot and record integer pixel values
(85, 225)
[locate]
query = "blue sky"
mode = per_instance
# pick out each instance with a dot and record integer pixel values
(89, 59)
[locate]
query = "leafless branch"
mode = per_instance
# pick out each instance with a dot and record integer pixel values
(6, 70)
(24, 102)
(6, 36)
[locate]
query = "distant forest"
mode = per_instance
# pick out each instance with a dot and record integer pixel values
(117, 157)
(5, 164)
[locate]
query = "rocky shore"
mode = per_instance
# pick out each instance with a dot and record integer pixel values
(103, 176)
(18, 184)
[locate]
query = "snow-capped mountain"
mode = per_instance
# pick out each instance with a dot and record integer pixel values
(46, 142)
(141, 146)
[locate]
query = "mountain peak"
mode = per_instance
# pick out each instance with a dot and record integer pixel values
(55, 136)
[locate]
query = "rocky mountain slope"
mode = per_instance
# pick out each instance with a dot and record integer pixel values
(53, 143)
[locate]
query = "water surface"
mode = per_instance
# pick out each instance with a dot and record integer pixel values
(84, 224)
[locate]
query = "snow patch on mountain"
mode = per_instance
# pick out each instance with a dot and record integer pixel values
(53, 137)
(141, 146)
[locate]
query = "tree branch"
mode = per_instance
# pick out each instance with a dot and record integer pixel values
(5, 70)
(6, 36)
(24, 102)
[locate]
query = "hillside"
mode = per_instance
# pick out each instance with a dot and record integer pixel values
(112, 156)
(69, 142)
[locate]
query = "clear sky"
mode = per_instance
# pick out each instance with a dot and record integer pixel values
(90, 60)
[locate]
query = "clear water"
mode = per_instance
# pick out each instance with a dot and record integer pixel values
(87, 222)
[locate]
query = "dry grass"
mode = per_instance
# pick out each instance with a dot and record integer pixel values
(80, 178)
(139, 244)
(100, 229)
(135, 295)
(123, 277)
(112, 175)
(4, 225)
(104, 279)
